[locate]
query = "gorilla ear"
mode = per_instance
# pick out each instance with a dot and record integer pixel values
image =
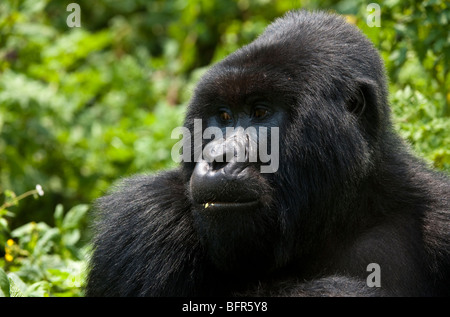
(357, 103)
(365, 104)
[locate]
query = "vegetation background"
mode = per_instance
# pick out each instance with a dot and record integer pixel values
(83, 107)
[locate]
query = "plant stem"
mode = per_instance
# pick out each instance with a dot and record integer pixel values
(16, 199)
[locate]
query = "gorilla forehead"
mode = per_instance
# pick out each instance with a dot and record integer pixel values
(236, 83)
(297, 55)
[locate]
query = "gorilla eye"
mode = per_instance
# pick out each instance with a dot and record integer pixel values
(224, 116)
(260, 112)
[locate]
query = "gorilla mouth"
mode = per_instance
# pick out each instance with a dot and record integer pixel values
(248, 205)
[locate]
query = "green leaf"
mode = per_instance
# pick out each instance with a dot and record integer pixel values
(43, 245)
(9, 194)
(74, 216)
(18, 287)
(4, 284)
(59, 215)
(38, 289)
(71, 238)
(3, 224)
(28, 228)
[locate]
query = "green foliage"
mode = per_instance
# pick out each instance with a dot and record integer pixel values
(81, 107)
(415, 43)
(43, 260)
(418, 121)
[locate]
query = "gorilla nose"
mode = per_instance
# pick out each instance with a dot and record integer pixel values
(224, 176)
(225, 182)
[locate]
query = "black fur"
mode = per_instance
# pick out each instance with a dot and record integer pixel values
(347, 193)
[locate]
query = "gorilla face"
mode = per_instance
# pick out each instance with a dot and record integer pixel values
(327, 109)
(231, 197)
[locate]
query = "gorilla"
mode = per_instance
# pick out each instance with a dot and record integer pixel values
(346, 211)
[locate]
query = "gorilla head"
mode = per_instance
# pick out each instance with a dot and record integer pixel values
(321, 83)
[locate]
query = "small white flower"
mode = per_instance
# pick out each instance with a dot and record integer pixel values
(39, 190)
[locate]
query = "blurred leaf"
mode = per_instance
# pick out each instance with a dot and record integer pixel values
(38, 289)
(29, 228)
(15, 291)
(71, 238)
(18, 287)
(44, 244)
(74, 216)
(4, 284)
(59, 215)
